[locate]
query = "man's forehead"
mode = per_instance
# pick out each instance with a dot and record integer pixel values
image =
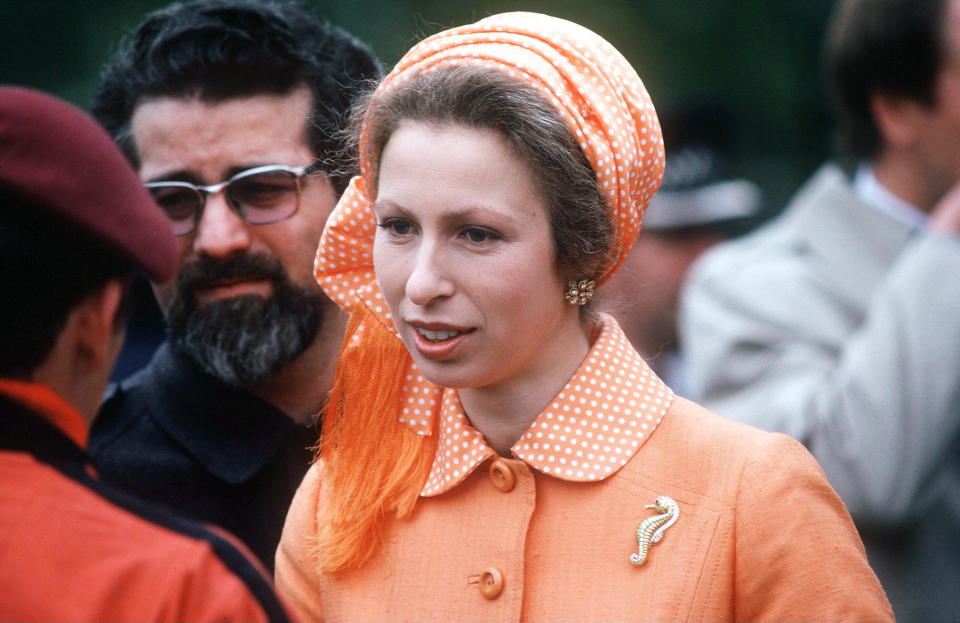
(188, 134)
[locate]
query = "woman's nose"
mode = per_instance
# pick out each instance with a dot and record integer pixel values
(429, 279)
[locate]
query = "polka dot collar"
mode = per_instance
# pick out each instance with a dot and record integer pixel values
(597, 422)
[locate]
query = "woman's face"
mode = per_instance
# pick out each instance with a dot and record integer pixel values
(464, 255)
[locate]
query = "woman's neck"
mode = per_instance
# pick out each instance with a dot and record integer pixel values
(504, 411)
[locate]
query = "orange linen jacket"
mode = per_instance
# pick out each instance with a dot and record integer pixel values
(761, 536)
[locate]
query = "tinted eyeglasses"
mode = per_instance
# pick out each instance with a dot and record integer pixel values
(261, 196)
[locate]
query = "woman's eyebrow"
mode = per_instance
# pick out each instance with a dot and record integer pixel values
(465, 213)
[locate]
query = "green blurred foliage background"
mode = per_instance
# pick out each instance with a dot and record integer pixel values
(759, 59)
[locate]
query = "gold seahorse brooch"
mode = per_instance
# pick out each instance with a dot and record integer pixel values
(650, 531)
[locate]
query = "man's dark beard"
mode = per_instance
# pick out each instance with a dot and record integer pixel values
(243, 340)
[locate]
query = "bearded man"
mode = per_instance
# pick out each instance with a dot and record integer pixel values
(230, 111)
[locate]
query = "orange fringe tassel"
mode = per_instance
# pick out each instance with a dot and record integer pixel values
(374, 466)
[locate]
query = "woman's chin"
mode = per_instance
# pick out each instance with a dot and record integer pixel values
(443, 374)
(449, 374)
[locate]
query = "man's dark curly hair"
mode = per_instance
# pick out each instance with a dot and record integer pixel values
(222, 49)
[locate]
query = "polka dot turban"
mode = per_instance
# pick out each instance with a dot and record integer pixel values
(598, 93)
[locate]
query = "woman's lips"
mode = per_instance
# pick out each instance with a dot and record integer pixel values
(439, 342)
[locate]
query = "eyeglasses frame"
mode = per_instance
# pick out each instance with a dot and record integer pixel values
(204, 191)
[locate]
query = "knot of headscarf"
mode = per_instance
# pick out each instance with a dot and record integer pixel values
(600, 97)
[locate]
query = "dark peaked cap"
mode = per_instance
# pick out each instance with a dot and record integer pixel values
(55, 155)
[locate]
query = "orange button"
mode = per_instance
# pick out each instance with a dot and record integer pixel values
(491, 583)
(502, 476)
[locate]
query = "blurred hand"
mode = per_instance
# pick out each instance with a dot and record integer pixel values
(945, 217)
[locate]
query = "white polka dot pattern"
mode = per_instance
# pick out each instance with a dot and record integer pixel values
(597, 422)
(460, 448)
(605, 105)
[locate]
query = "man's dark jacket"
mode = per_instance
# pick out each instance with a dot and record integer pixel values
(176, 436)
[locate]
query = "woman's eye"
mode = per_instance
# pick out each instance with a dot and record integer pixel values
(396, 226)
(480, 234)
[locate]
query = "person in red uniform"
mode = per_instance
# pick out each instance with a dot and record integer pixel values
(75, 221)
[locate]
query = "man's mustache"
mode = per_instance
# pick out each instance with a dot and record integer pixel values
(207, 272)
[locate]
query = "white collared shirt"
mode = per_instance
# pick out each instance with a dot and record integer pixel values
(872, 192)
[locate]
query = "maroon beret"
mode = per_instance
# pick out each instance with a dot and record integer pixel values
(55, 155)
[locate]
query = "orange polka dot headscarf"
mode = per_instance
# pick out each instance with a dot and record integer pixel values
(375, 465)
(598, 93)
